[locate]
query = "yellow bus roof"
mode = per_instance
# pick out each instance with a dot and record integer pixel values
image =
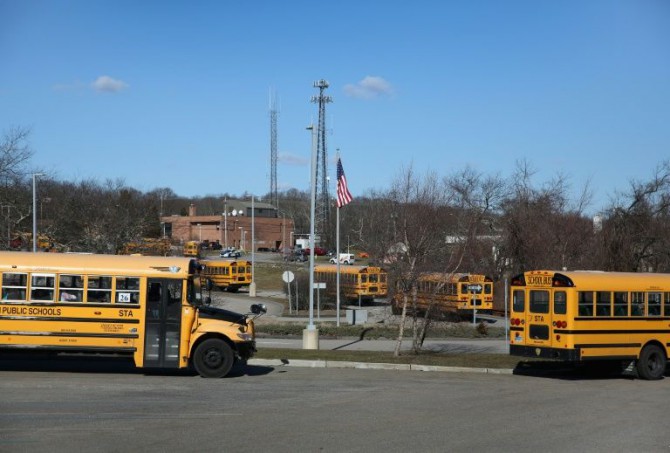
(82, 263)
(224, 261)
(611, 280)
(347, 269)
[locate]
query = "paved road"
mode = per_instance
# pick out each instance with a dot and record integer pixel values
(87, 407)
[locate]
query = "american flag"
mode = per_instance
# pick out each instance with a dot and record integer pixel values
(343, 195)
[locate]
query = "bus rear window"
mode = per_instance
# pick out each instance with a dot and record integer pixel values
(539, 301)
(518, 301)
(560, 305)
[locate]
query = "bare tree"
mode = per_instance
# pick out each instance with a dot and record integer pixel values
(635, 234)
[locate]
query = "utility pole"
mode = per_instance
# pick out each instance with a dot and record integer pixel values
(322, 209)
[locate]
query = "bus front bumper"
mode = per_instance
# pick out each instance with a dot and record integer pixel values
(569, 355)
(246, 349)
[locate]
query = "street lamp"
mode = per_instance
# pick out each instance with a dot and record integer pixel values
(310, 338)
(35, 175)
(252, 286)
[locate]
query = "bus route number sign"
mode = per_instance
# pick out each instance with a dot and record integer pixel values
(124, 297)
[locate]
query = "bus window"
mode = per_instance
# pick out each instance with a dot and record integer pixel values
(99, 289)
(585, 303)
(374, 278)
(488, 288)
(539, 301)
(71, 288)
(42, 287)
(637, 303)
(603, 305)
(653, 304)
(666, 300)
(518, 301)
(364, 278)
(620, 303)
(560, 306)
(14, 286)
(128, 290)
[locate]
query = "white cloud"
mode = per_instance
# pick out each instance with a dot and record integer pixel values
(107, 84)
(368, 88)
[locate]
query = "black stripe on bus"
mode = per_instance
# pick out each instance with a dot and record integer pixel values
(107, 349)
(72, 304)
(622, 318)
(613, 345)
(39, 318)
(520, 329)
(71, 334)
(607, 332)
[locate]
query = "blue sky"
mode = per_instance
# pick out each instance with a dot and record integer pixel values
(176, 94)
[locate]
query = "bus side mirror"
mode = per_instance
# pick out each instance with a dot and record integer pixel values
(258, 309)
(208, 300)
(209, 285)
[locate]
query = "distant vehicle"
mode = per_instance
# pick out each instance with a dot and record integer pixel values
(345, 258)
(356, 282)
(227, 275)
(230, 254)
(318, 251)
(297, 255)
(191, 248)
(363, 255)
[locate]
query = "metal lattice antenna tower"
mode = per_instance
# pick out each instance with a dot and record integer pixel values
(322, 197)
(274, 197)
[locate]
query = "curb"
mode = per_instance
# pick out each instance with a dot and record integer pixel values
(374, 366)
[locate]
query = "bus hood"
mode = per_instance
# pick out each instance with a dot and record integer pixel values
(223, 315)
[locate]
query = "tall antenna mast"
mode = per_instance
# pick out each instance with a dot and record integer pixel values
(274, 196)
(322, 197)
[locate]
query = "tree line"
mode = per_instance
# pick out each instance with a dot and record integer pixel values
(466, 220)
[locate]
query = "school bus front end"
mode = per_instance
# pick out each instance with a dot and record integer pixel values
(219, 338)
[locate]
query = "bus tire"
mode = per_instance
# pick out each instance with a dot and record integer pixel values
(213, 358)
(651, 364)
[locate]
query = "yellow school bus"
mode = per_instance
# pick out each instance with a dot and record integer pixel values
(446, 294)
(590, 315)
(192, 248)
(228, 275)
(147, 308)
(366, 282)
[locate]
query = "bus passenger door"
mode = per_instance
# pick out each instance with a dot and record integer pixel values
(162, 323)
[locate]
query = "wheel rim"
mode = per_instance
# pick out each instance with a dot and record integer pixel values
(213, 358)
(654, 363)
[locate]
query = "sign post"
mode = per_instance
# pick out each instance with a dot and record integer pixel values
(474, 290)
(288, 277)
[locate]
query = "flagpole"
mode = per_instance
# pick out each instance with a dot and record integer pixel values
(337, 260)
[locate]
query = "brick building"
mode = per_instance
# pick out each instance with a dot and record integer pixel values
(233, 227)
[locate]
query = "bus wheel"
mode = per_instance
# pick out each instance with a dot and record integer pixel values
(213, 358)
(651, 364)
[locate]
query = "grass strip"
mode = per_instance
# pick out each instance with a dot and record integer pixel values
(426, 358)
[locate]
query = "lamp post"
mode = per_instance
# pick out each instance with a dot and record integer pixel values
(310, 338)
(252, 285)
(35, 175)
